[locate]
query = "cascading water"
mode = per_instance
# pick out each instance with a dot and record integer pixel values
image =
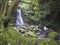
(19, 20)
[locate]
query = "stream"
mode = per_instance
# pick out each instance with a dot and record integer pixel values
(41, 32)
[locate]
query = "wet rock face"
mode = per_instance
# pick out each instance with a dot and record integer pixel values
(42, 35)
(40, 27)
(57, 37)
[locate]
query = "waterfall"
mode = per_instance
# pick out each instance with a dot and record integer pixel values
(19, 20)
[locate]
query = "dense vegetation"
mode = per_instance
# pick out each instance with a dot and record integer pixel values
(34, 12)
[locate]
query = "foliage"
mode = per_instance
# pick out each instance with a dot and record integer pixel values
(52, 34)
(14, 38)
(6, 7)
(28, 32)
(50, 10)
(36, 10)
(9, 36)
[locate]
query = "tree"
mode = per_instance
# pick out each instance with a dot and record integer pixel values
(6, 9)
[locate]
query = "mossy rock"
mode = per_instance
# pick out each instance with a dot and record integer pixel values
(52, 34)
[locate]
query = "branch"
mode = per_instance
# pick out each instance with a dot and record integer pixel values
(2, 7)
(15, 2)
(27, 3)
(5, 7)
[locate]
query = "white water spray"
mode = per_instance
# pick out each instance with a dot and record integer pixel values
(19, 20)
